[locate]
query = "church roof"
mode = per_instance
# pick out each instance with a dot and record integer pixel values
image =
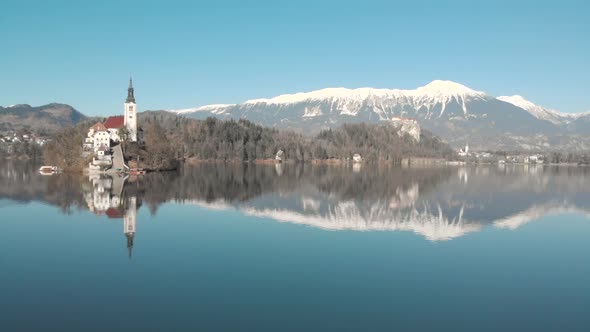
(102, 148)
(114, 213)
(130, 96)
(99, 127)
(115, 122)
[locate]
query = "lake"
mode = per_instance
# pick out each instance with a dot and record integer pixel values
(296, 248)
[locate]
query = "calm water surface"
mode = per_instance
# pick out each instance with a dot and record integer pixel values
(294, 248)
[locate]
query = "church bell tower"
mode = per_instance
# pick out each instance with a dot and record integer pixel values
(131, 113)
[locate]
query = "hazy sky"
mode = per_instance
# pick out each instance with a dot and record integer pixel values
(186, 54)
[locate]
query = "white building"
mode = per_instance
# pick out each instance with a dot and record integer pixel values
(102, 134)
(98, 136)
(464, 152)
(534, 159)
(130, 120)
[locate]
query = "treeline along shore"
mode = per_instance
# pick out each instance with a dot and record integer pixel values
(169, 138)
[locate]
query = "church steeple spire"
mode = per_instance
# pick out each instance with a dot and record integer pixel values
(129, 244)
(130, 96)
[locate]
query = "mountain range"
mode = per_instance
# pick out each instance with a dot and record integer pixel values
(456, 113)
(48, 118)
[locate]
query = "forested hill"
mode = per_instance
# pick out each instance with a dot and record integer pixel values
(243, 140)
(169, 137)
(45, 119)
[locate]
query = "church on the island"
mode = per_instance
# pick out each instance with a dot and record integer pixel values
(115, 128)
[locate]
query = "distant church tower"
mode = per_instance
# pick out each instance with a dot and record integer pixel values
(131, 113)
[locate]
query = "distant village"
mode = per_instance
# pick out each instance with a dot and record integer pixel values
(21, 144)
(484, 156)
(500, 157)
(411, 127)
(23, 136)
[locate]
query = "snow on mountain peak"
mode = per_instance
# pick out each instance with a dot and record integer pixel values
(433, 90)
(215, 108)
(447, 88)
(338, 93)
(537, 111)
(519, 101)
(434, 99)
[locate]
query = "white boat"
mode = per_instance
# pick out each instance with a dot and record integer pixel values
(47, 170)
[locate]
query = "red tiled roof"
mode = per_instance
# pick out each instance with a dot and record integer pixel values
(114, 213)
(115, 122)
(99, 127)
(102, 148)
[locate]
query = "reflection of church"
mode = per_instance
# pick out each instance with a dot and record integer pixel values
(129, 223)
(107, 197)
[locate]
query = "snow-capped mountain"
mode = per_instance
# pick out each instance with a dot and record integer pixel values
(541, 112)
(451, 110)
(351, 101)
(436, 92)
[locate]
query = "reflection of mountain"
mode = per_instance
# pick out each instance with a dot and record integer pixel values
(440, 206)
(438, 203)
(346, 216)
(537, 211)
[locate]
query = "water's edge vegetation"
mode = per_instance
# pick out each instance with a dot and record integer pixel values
(169, 138)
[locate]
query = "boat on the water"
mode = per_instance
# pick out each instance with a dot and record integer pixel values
(136, 171)
(48, 170)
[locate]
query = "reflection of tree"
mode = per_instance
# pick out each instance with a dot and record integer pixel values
(20, 181)
(65, 192)
(228, 182)
(210, 182)
(482, 194)
(242, 182)
(378, 183)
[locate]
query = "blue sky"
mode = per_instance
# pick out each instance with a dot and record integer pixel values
(186, 54)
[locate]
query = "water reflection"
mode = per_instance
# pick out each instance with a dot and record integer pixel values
(437, 203)
(105, 196)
